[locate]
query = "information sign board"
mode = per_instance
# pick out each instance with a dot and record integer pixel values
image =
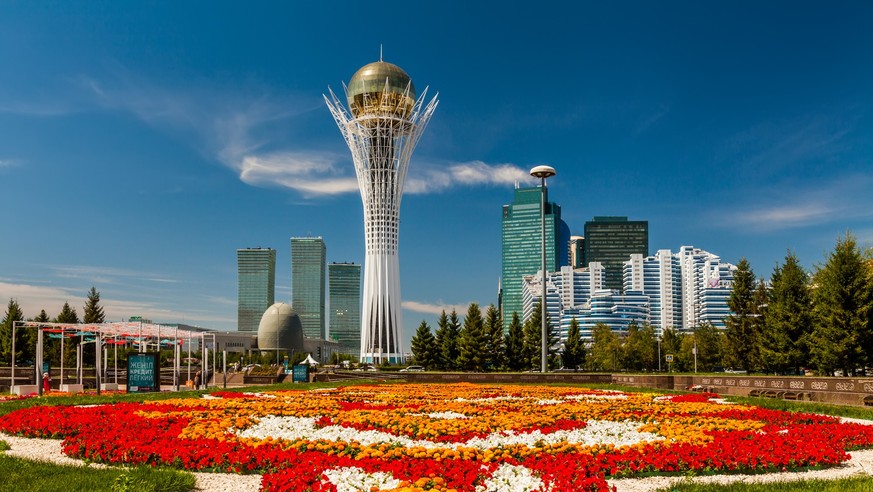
(300, 374)
(143, 372)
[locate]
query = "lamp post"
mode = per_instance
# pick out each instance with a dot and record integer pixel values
(543, 172)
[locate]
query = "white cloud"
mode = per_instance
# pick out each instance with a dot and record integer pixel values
(309, 173)
(6, 163)
(786, 206)
(33, 298)
(107, 275)
(431, 178)
(437, 309)
(233, 127)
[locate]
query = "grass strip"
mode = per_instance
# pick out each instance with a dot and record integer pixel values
(853, 484)
(21, 475)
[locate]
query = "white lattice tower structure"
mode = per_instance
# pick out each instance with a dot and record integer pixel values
(381, 126)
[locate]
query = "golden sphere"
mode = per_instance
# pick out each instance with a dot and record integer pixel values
(380, 89)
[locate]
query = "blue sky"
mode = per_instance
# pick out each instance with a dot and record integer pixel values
(142, 143)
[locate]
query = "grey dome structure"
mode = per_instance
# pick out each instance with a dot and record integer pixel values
(280, 329)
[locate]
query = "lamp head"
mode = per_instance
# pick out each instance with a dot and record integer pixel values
(543, 172)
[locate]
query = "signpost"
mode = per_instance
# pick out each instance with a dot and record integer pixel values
(669, 359)
(300, 374)
(143, 372)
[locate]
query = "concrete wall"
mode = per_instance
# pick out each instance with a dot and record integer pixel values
(841, 391)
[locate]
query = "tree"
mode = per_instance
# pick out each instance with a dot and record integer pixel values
(789, 319)
(742, 339)
(671, 343)
(533, 336)
(69, 315)
(424, 347)
(574, 348)
(93, 312)
(640, 348)
(494, 350)
(842, 299)
(515, 359)
(472, 342)
(605, 346)
(13, 314)
(707, 339)
(441, 335)
(447, 337)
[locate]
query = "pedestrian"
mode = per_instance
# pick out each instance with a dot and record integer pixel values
(46, 381)
(197, 379)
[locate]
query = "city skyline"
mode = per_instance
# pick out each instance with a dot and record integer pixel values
(143, 146)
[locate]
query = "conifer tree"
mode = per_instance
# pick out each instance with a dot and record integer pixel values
(13, 314)
(742, 339)
(424, 347)
(93, 312)
(789, 319)
(494, 349)
(69, 315)
(515, 358)
(533, 335)
(472, 342)
(441, 337)
(573, 356)
(842, 300)
(449, 341)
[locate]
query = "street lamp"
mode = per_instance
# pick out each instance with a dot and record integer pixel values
(543, 172)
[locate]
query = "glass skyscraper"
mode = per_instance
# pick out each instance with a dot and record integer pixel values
(610, 241)
(344, 287)
(521, 245)
(256, 275)
(308, 261)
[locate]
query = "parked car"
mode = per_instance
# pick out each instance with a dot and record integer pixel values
(412, 369)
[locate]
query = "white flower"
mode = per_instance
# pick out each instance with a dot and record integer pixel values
(353, 479)
(511, 478)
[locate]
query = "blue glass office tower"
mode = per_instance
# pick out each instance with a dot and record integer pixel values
(308, 262)
(256, 275)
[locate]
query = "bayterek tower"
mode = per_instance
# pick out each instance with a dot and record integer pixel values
(381, 125)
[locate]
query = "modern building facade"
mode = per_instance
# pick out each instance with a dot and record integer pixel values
(256, 277)
(610, 241)
(706, 286)
(678, 291)
(521, 255)
(577, 251)
(308, 263)
(344, 288)
(381, 125)
(685, 289)
(660, 278)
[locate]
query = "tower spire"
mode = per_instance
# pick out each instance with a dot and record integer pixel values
(380, 51)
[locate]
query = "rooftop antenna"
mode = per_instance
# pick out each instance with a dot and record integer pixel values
(380, 51)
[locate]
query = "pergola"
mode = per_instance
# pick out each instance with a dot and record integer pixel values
(136, 333)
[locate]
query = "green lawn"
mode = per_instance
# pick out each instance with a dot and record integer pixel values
(857, 484)
(21, 475)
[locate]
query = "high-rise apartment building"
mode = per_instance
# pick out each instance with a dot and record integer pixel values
(685, 289)
(706, 287)
(256, 276)
(344, 287)
(521, 238)
(308, 262)
(611, 240)
(660, 278)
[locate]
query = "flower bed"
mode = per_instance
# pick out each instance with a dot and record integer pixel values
(445, 437)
